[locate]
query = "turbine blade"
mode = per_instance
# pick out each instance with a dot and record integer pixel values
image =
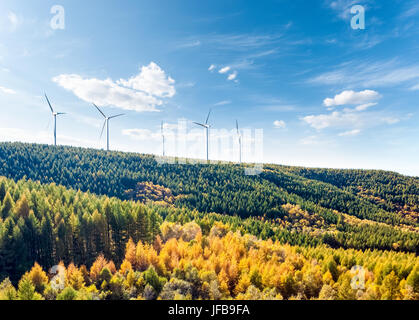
(60, 113)
(118, 115)
(103, 128)
(237, 126)
(200, 124)
(162, 127)
(52, 110)
(209, 113)
(99, 110)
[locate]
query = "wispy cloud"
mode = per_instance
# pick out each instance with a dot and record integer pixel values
(271, 103)
(222, 103)
(242, 42)
(415, 87)
(142, 134)
(369, 74)
(350, 133)
(343, 7)
(43, 136)
(412, 9)
(7, 90)
(189, 44)
(365, 106)
(93, 122)
(314, 140)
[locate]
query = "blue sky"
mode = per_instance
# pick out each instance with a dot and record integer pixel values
(324, 94)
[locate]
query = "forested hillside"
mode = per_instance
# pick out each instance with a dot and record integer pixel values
(290, 206)
(184, 264)
(221, 188)
(127, 227)
(46, 223)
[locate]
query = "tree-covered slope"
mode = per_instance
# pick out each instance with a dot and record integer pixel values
(46, 223)
(186, 265)
(220, 188)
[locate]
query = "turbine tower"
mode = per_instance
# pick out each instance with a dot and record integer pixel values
(106, 123)
(162, 134)
(206, 126)
(54, 114)
(240, 141)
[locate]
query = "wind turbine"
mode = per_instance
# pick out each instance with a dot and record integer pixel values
(106, 123)
(206, 126)
(54, 114)
(240, 141)
(162, 134)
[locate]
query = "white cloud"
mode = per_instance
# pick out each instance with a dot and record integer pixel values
(232, 76)
(14, 20)
(107, 93)
(224, 70)
(7, 90)
(152, 80)
(350, 133)
(415, 88)
(348, 119)
(280, 124)
(334, 119)
(141, 93)
(212, 67)
(352, 97)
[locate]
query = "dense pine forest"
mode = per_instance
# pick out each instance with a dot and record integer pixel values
(123, 226)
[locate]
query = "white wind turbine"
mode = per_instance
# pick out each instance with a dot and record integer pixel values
(207, 127)
(106, 123)
(54, 114)
(240, 141)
